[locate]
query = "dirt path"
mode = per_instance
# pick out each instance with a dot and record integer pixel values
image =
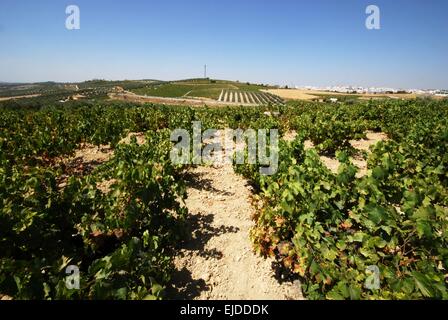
(20, 97)
(218, 262)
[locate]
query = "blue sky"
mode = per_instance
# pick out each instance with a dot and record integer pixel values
(319, 42)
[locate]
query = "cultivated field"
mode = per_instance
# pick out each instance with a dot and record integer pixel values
(90, 184)
(218, 90)
(19, 97)
(249, 97)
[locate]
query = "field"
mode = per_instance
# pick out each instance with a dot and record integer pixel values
(175, 90)
(248, 97)
(90, 183)
(314, 95)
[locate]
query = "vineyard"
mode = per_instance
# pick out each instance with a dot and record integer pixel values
(121, 219)
(249, 97)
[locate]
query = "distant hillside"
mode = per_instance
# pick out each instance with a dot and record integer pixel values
(195, 87)
(47, 88)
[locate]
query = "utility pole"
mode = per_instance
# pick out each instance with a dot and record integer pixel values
(205, 71)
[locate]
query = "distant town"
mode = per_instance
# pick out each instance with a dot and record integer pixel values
(374, 90)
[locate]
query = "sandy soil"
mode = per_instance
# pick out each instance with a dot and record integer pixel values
(372, 138)
(362, 145)
(218, 261)
(303, 94)
(290, 136)
(86, 158)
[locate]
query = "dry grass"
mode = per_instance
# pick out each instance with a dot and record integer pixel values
(292, 94)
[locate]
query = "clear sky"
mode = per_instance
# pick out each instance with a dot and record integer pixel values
(293, 42)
